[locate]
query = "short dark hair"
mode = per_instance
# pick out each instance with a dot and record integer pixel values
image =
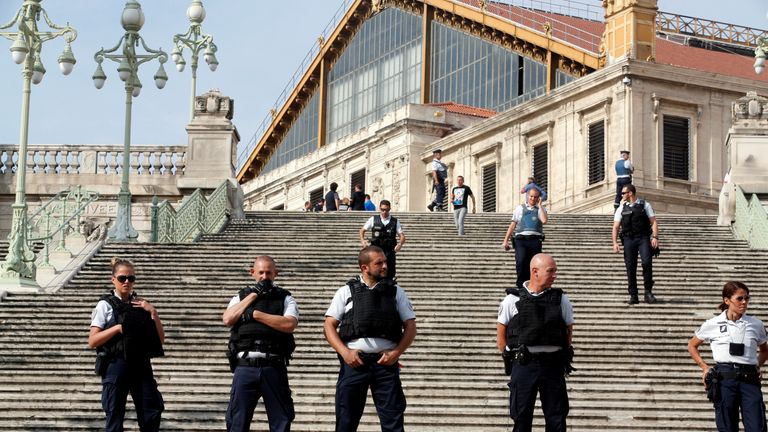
(460, 177)
(631, 188)
(364, 257)
(334, 186)
(358, 186)
(729, 289)
(386, 203)
(367, 196)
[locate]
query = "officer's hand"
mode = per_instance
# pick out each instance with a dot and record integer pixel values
(388, 358)
(704, 376)
(436, 181)
(352, 358)
(364, 244)
(654, 242)
(398, 247)
(141, 303)
(615, 248)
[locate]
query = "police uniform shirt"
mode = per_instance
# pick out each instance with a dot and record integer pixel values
(290, 308)
(369, 224)
(103, 316)
(648, 210)
(720, 332)
(517, 216)
(342, 303)
(439, 166)
(508, 309)
(627, 165)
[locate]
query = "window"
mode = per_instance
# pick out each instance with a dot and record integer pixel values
(596, 152)
(315, 196)
(357, 177)
(489, 188)
(278, 207)
(540, 164)
(676, 147)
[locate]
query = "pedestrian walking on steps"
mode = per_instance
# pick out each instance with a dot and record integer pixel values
(459, 195)
(370, 324)
(739, 349)
(439, 175)
(262, 318)
(127, 333)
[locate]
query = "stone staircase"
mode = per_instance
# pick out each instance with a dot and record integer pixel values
(634, 373)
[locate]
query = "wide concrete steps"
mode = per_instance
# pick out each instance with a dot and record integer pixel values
(633, 371)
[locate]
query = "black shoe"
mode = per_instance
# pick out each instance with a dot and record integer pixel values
(431, 207)
(650, 298)
(633, 300)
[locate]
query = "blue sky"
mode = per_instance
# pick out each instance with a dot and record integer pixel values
(261, 44)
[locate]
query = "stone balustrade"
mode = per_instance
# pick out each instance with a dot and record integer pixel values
(95, 159)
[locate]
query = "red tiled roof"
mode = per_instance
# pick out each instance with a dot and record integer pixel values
(704, 60)
(454, 107)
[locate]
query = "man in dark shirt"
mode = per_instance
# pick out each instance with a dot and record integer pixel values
(358, 199)
(459, 196)
(332, 198)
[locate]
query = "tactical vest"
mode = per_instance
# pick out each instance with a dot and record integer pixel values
(384, 236)
(251, 335)
(139, 340)
(530, 221)
(621, 170)
(373, 313)
(539, 320)
(634, 220)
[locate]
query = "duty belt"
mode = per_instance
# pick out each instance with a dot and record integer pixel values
(529, 237)
(740, 372)
(270, 360)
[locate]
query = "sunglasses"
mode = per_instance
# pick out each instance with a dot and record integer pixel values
(624, 193)
(384, 209)
(123, 278)
(742, 298)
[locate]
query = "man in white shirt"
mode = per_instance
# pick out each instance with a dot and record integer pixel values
(624, 170)
(439, 174)
(370, 323)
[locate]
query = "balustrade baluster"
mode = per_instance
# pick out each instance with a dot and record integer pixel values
(101, 162)
(181, 164)
(31, 162)
(75, 164)
(63, 162)
(49, 161)
(113, 162)
(156, 163)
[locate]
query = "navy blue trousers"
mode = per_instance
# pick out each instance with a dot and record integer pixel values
(735, 395)
(549, 381)
(632, 247)
(391, 256)
(440, 194)
(122, 378)
(352, 389)
(249, 384)
(525, 249)
(620, 183)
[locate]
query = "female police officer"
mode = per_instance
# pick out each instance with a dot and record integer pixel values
(127, 332)
(734, 382)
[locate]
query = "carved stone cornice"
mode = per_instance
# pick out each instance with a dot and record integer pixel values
(750, 109)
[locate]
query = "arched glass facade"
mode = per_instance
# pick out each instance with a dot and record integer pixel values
(300, 140)
(378, 72)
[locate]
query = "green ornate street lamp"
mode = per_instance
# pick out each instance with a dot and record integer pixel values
(760, 52)
(196, 41)
(19, 266)
(124, 53)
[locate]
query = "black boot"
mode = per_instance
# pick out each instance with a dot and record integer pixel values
(431, 207)
(633, 300)
(650, 298)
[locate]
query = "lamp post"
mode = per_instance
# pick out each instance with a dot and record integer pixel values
(760, 53)
(195, 40)
(18, 268)
(124, 53)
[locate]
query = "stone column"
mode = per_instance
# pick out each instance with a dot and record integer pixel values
(212, 143)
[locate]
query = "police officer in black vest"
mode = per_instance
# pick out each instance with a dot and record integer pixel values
(639, 234)
(386, 233)
(534, 333)
(127, 332)
(376, 324)
(263, 318)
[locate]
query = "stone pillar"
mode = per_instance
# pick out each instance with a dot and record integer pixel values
(212, 143)
(630, 30)
(747, 145)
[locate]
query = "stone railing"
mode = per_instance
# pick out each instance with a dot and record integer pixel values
(751, 222)
(196, 216)
(90, 159)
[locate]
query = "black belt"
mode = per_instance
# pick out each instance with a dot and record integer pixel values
(261, 362)
(528, 237)
(740, 371)
(544, 357)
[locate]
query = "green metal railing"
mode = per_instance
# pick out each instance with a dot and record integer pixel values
(196, 216)
(55, 218)
(751, 220)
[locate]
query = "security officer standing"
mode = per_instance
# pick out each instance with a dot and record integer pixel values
(376, 324)
(127, 332)
(386, 233)
(527, 225)
(739, 348)
(624, 170)
(639, 234)
(439, 175)
(534, 332)
(262, 318)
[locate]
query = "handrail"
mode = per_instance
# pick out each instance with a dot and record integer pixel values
(708, 29)
(196, 216)
(751, 223)
(54, 218)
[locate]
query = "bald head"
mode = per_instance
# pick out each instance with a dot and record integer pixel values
(264, 268)
(543, 272)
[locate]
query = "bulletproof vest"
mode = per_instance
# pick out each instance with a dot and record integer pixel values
(330, 201)
(621, 170)
(251, 335)
(539, 320)
(634, 220)
(384, 236)
(442, 174)
(139, 339)
(373, 313)
(530, 221)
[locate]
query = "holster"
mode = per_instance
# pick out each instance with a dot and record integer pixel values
(712, 385)
(103, 359)
(506, 357)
